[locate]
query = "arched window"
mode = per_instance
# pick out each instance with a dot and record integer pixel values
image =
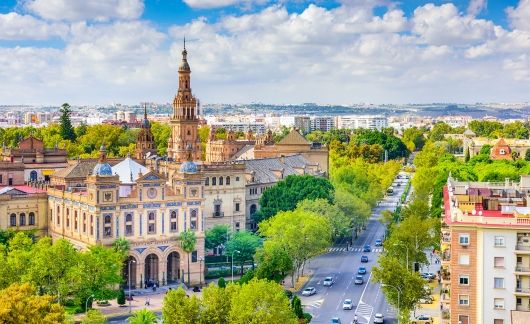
(33, 175)
(227, 181)
(128, 224)
(252, 209)
(22, 219)
(128, 217)
(31, 218)
(220, 181)
(75, 220)
(214, 180)
(13, 220)
(207, 181)
(107, 226)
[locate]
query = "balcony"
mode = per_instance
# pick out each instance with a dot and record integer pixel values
(522, 248)
(521, 270)
(446, 258)
(523, 308)
(218, 214)
(522, 292)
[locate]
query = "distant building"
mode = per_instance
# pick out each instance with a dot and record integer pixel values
(501, 149)
(303, 124)
(145, 143)
(256, 128)
(324, 124)
(23, 208)
(366, 122)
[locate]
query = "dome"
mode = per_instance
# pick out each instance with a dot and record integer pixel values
(184, 66)
(188, 167)
(102, 169)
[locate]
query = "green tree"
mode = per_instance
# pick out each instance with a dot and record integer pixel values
(515, 130)
(67, 130)
(216, 303)
(181, 309)
(161, 133)
(188, 240)
(527, 155)
(221, 282)
(296, 305)
(19, 303)
(485, 149)
(220, 133)
(467, 156)
(122, 246)
(242, 245)
(261, 301)
(274, 261)
(216, 236)
(439, 130)
(143, 316)
(94, 316)
(121, 300)
(485, 128)
(413, 138)
(340, 223)
(286, 194)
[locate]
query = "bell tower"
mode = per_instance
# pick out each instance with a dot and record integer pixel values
(184, 121)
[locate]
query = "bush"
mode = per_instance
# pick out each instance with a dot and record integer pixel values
(94, 316)
(121, 297)
(307, 317)
(296, 305)
(247, 277)
(221, 282)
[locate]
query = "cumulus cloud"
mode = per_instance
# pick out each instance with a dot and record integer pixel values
(520, 15)
(16, 27)
(208, 4)
(71, 10)
(476, 6)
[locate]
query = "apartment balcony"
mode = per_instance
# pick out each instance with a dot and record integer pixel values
(446, 258)
(218, 214)
(522, 248)
(521, 270)
(522, 292)
(523, 308)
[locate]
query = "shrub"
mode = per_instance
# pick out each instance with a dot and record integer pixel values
(121, 297)
(221, 282)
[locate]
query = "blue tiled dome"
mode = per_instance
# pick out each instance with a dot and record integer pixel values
(102, 169)
(188, 167)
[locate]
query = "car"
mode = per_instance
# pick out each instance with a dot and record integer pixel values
(335, 320)
(361, 270)
(429, 275)
(426, 276)
(347, 304)
(359, 280)
(378, 242)
(309, 291)
(364, 258)
(329, 281)
(422, 319)
(379, 318)
(426, 300)
(367, 248)
(398, 184)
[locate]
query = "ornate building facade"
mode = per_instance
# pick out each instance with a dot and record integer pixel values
(184, 120)
(145, 144)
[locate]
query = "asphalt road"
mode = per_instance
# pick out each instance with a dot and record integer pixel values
(368, 298)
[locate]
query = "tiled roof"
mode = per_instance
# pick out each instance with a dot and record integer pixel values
(20, 190)
(79, 170)
(263, 168)
(294, 137)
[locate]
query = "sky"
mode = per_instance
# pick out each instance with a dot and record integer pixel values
(281, 52)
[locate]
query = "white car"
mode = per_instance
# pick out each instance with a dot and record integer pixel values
(347, 304)
(329, 281)
(309, 291)
(379, 318)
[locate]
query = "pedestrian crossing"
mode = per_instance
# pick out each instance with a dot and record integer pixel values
(364, 310)
(354, 249)
(315, 304)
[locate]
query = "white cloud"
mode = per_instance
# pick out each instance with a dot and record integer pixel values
(444, 25)
(17, 27)
(520, 16)
(208, 4)
(476, 6)
(79, 10)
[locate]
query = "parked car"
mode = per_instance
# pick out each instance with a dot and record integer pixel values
(422, 319)
(329, 281)
(359, 280)
(335, 320)
(378, 242)
(379, 318)
(429, 275)
(367, 248)
(426, 300)
(309, 291)
(347, 304)
(364, 258)
(361, 270)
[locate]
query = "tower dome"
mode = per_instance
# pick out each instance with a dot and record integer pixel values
(102, 168)
(189, 166)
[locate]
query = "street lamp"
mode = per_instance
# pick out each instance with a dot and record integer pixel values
(200, 271)
(129, 277)
(86, 304)
(401, 243)
(399, 293)
(236, 251)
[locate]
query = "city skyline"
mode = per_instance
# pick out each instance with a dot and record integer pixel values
(262, 51)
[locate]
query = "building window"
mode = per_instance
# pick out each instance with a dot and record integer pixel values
(58, 215)
(464, 280)
(84, 222)
(31, 218)
(214, 181)
(13, 220)
(498, 283)
(91, 225)
(463, 319)
(22, 219)
(498, 303)
(237, 179)
(220, 181)
(463, 259)
(173, 221)
(499, 241)
(463, 300)
(498, 321)
(194, 256)
(463, 239)
(128, 224)
(502, 152)
(151, 226)
(193, 219)
(207, 181)
(237, 207)
(75, 220)
(498, 262)
(227, 181)
(107, 226)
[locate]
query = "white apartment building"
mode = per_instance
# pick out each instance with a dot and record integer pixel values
(367, 122)
(324, 124)
(257, 128)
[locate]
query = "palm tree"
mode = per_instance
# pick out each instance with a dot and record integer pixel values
(143, 316)
(188, 240)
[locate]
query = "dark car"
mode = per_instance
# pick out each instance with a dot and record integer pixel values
(361, 270)
(367, 248)
(364, 259)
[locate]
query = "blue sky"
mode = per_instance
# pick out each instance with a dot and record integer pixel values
(339, 52)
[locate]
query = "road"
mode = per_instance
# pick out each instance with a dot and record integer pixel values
(368, 298)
